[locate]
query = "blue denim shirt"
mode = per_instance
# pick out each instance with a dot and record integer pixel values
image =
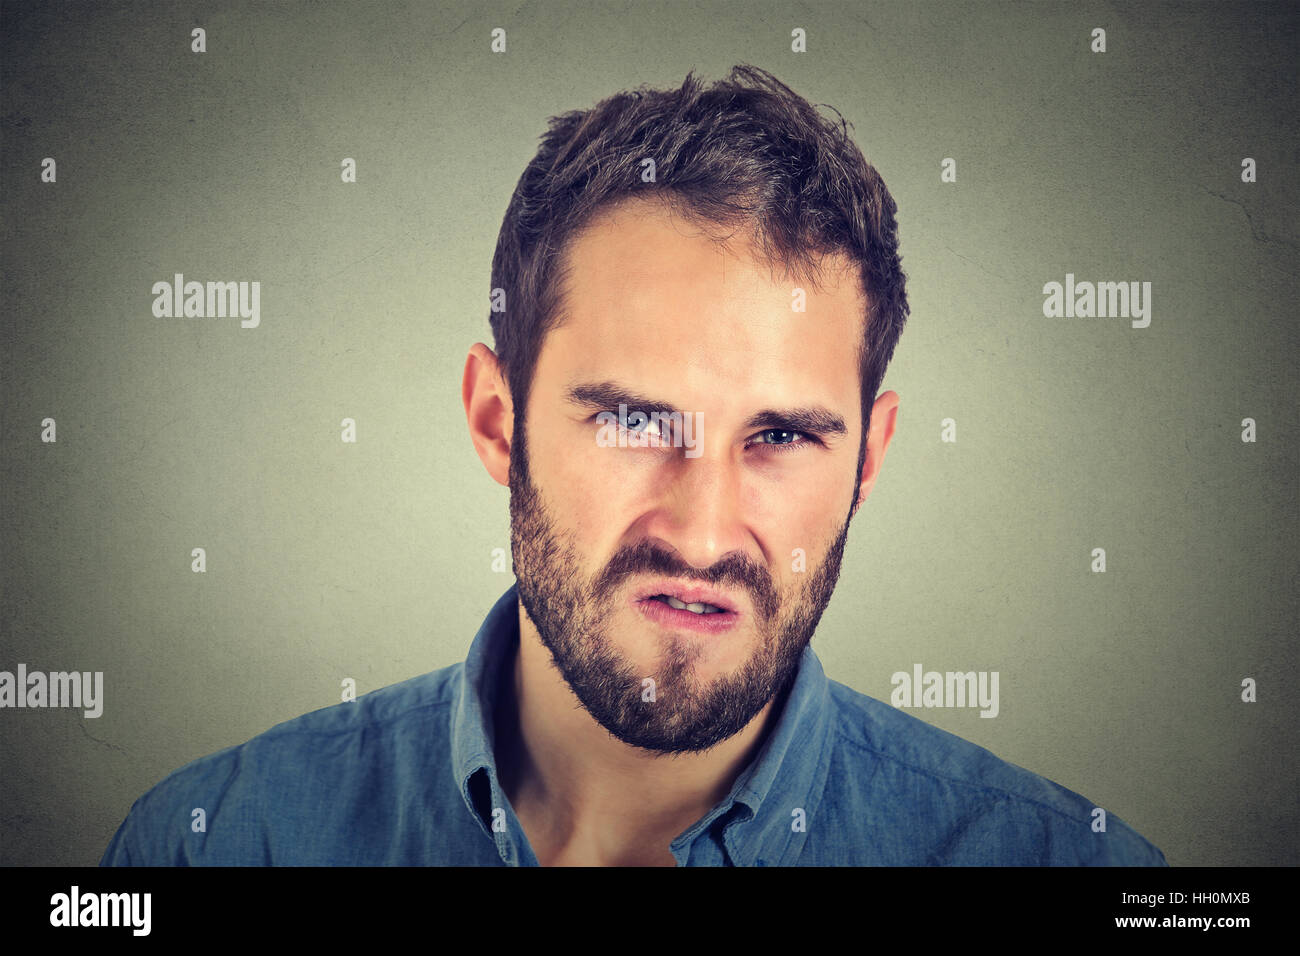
(405, 776)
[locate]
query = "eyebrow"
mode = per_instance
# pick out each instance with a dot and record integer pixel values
(606, 396)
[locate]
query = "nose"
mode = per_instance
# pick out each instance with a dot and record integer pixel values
(701, 513)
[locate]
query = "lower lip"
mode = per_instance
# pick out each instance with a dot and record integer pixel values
(668, 616)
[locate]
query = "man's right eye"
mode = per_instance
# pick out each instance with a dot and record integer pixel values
(637, 422)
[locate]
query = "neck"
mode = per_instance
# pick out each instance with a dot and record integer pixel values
(583, 795)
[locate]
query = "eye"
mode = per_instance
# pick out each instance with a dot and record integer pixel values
(782, 439)
(637, 423)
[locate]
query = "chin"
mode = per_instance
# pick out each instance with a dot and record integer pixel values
(709, 658)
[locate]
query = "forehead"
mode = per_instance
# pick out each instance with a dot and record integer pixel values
(651, 296)
(651, 238)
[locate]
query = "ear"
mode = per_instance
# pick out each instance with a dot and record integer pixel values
(884, 413)
(489, 411)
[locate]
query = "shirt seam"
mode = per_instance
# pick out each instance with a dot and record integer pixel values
(1020, 798)
(280, 730)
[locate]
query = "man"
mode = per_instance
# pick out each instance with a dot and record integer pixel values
(696, 294)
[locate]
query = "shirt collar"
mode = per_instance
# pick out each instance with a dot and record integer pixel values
(769, 807)
(783, 785)
(472, 714)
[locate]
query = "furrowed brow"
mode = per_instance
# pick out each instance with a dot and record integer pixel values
(604, 396)
(814, 420)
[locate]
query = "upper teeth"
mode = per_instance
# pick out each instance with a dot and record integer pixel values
(698, 607)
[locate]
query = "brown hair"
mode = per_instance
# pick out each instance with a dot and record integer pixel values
(745, 151)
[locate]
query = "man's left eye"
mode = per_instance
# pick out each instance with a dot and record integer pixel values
(779, 436)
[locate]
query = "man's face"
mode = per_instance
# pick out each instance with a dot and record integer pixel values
(748, 511)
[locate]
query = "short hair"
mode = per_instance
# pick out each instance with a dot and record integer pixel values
(747, 151)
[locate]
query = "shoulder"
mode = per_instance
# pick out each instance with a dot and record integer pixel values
(302, 776)
(931, 797)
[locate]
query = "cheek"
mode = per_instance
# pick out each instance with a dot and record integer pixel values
(797, 521)
(596, 492)
(798, 509)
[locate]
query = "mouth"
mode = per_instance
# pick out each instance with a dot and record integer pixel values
(691, 607)
(697, 607)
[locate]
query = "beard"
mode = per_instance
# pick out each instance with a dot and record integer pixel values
(571, 611)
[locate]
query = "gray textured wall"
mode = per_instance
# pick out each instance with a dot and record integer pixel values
(371, 560)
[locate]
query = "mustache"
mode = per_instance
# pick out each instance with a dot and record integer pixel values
(733, 569)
